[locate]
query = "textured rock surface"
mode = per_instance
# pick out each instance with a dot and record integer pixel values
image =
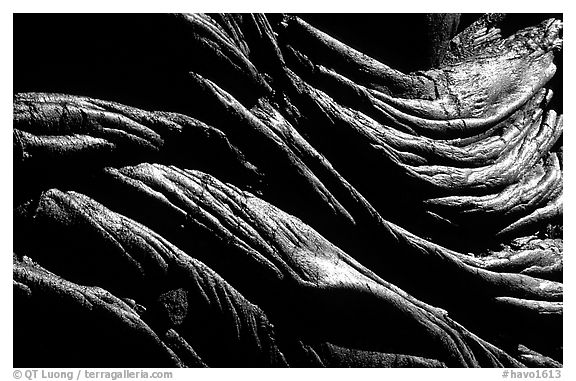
(308, 205)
